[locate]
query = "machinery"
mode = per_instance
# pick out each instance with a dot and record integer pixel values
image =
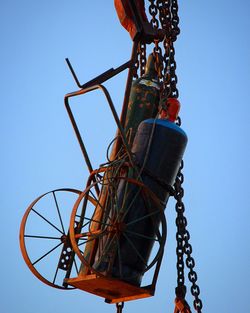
(117, 229)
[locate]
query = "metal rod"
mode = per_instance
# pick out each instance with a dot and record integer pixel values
(77, 132)
(111, 105)
(100, 78)
(117, 144)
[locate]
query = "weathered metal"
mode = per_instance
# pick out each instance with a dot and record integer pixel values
(133, 18)
(112, 290)
(106, 231)
(126, 198)
(144, 99)
(100, 78)
(40, 238)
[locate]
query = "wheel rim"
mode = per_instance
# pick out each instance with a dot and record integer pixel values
(44, 238)
(95, 238)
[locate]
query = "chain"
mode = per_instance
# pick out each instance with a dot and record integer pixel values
(175, 30)
(164, 15)
(180, 221)
(143, 57)
(183, 245)
(153, 11)
(168, 15)
(136, 66)
(158, 60)
(119, 307)
(192, 275)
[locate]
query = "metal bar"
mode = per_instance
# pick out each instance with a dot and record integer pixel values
(38, 260)
(42, 237)
(73, 73)
(58, 211)
(117, 143)
(107, 75)
(112, 108)
(78, 135)
(100, 78)
(47, 221)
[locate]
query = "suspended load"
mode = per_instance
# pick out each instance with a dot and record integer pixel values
(117, 230)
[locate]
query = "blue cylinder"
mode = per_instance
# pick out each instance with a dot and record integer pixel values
(158, 148)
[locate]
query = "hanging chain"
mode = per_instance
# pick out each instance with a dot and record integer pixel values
(183, 245)
(153, 10)
(143, 58)
(168, 16)
(192, 275)
(136, 66)
(119, 307)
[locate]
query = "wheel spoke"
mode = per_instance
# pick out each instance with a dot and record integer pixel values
(134, 248)
(143, 217)
(42, 237)
(58, 211)
(155, 225)
(141, 235)
(95, 221)
(119, 257)
(88, 240)
(54, 280)
(48, 235)
(105, 249)
(47, 221)
(131, 203)
(38, 260)
(76, 267)
(97, 201)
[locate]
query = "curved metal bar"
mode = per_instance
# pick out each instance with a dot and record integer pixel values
(77, 132)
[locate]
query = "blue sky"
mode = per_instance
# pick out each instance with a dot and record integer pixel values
(40, 153)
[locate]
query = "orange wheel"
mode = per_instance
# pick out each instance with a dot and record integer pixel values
(44, 238)
(101, 227)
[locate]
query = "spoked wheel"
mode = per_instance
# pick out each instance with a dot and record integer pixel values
(113, 234)
(44, 238)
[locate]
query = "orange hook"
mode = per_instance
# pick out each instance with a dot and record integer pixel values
(181, 306)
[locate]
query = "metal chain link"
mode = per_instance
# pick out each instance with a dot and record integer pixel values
(119, 307)
(143, 58)
(168, 16)
(183, 245)
(175, 30)
(164, 15)
(153, 11)
(192, 275)
(158, 60)
(136, 66)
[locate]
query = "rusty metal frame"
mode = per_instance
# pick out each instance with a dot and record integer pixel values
(94, 84)
(76, 129)
(81, 282)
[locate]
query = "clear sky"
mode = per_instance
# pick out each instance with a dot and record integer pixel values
(40, 152)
